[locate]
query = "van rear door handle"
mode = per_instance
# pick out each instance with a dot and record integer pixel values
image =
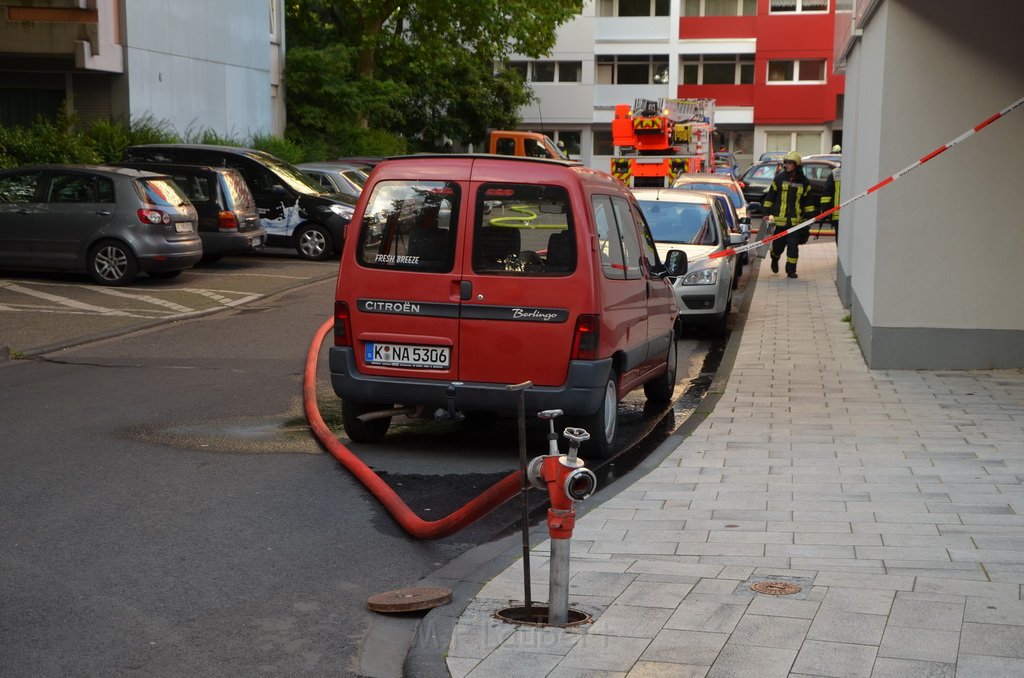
(465, 290)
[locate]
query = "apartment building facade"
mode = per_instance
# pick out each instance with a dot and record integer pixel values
(768, 64)
(192, 64)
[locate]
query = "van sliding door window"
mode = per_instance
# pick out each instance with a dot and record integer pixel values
(523, 230)
(411, 226)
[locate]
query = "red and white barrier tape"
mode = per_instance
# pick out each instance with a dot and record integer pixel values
(878, 186)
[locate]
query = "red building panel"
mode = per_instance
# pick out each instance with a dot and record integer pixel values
(780, 36)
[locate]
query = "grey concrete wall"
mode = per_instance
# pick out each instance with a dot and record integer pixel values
(200, 64)
(934, 257)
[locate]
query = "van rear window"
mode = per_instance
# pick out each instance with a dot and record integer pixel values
(410, 225)
(523, 230)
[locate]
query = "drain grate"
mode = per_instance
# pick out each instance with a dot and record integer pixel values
(775, 588)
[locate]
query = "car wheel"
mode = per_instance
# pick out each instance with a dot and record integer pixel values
(371, 431)
(112, 263)
(660, 389)
(720, 327)
(603, 424)
(313, 242)
(165, 275)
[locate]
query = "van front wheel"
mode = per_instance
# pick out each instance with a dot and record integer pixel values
(358, 431)
(603, 424)
(313, 242)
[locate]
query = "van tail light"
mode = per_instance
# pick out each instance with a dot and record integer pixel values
(227, 221)
(152, 216)
(342, 324)
(585, 338)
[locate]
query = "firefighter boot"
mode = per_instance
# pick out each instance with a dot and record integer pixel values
(775, 264)
(790, 269)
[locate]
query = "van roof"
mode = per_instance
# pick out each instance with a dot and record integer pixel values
(485, 156)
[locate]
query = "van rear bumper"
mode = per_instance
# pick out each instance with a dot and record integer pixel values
(580, 394)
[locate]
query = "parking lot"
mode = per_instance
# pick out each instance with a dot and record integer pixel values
(40, 312)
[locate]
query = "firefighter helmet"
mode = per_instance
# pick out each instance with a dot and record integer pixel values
(792, 156)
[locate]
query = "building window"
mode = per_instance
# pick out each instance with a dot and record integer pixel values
(633, 8)
(548, 71)
(275, 30)
(568, 140)
(806, 70)
(570, 71)
(718, 69)
(720, 8)
(632, 69)
(798, 6)
(603, 141)
(543, 71)
(804, 143)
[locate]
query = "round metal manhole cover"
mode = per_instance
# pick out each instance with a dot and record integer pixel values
(775, 588)
(537, 615)
(409, 600)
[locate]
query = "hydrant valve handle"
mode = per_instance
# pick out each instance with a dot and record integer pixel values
(576, 435)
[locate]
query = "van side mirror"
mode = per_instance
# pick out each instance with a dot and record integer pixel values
(675, 263)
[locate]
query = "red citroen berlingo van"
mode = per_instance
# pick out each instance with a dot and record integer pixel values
(463, 274)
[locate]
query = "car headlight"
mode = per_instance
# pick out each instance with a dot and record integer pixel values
(704, 276)
(343, 211)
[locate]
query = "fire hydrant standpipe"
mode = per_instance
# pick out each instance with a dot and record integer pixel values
(567, 482)
(490, 499)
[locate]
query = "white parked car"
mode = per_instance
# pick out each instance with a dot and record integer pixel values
(690, 221)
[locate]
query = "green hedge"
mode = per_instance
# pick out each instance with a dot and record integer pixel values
(64, 141)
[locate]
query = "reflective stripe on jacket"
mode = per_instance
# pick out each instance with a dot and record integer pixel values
(789, 201)
(830, 196)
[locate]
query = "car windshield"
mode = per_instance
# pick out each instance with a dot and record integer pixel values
(735, 196)
(357, 177)
(762, 172)
(680, 223)
(163, 192)
(295, 178)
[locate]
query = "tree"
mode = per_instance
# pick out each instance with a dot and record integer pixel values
(423, 70)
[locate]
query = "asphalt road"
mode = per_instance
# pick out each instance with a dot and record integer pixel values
(166, 510)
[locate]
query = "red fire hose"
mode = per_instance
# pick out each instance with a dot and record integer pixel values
(490, 499)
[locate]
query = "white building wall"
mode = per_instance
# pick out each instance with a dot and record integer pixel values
(935, 257)
(198, 65)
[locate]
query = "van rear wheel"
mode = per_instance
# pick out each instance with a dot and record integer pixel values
(659, 389)
(603, 424)
(358, 431)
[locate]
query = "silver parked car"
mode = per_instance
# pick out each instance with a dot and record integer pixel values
(692, 222)
(111, 222)
(337, 177)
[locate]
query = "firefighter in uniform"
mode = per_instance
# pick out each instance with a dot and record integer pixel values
(830, 198)
(787, 203)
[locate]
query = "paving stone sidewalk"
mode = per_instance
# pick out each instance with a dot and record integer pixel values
(893, 499)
